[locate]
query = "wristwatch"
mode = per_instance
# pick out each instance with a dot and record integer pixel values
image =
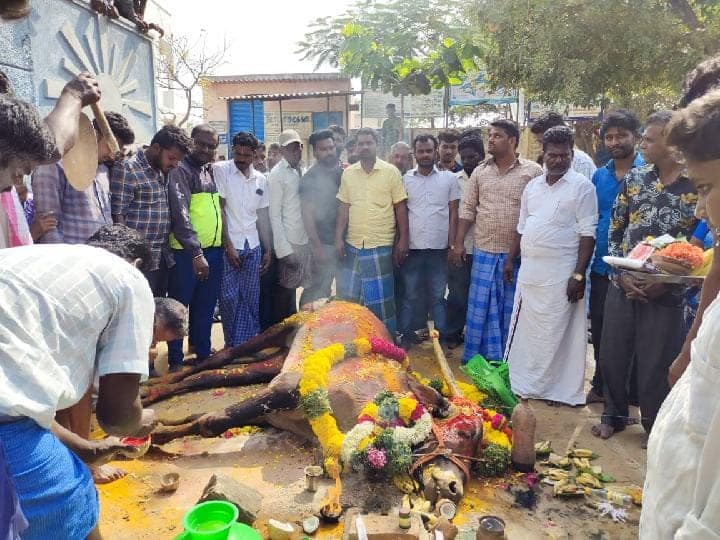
(578, 277)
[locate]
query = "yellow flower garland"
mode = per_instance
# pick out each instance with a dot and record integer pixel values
(315, 371)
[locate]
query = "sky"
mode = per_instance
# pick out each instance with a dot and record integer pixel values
(264, 34)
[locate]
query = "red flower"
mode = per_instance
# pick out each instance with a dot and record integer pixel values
(386, 349)
(417, 413)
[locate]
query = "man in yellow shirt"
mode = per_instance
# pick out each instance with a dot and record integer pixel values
(373, 210)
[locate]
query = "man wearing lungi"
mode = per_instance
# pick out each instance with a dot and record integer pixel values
(491, 201)
(246, 222)
(373, 210)
(558, 218)
(69, 314)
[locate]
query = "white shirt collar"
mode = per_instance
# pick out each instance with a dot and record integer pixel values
(435, 170)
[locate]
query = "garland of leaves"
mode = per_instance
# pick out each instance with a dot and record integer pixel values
(314, 397)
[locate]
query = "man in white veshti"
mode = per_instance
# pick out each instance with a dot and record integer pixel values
(681, 498)
(556, 236)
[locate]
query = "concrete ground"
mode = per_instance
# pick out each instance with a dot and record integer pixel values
(273, 461)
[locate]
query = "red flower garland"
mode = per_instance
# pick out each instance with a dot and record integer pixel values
(387, 349)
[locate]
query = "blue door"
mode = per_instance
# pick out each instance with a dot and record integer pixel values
(321, 120)
(246, 115)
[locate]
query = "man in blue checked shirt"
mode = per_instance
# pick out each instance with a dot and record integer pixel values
(139, 189)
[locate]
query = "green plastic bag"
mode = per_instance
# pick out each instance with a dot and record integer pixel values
(493, 379)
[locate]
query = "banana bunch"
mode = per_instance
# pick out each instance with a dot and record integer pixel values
(405, 483)
(582, 453)
(580, 463)
(567, 488)
(558, 462)
(588, 480)
(704, 268)
(543, 448)
(557, 474)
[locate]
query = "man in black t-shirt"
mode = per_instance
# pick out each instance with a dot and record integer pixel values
(318, 190)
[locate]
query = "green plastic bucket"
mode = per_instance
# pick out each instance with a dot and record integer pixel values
(210, 520)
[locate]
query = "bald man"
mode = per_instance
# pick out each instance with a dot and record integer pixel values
(401, 156)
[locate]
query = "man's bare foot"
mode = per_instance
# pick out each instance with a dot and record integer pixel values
(104, 474)
(604, 431)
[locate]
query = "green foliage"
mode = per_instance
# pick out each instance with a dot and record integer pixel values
(315, 403)
(436, 384)
(398, 455)
(631, 52)
(575, 50)
(495, 461)
(400, 46)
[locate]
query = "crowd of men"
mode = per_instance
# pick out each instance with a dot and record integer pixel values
(495, 249)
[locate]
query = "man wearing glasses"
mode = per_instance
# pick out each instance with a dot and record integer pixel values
(196, 241)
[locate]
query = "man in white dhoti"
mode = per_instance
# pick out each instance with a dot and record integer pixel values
(556, 237)
(681, 498)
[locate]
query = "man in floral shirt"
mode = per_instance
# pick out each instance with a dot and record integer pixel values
(644, 321)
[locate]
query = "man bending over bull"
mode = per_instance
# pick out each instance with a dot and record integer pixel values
(67, 315)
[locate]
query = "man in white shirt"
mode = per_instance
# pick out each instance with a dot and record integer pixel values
(244, 204)
(69, 314)
(290, 240)
(581, 162)
(433, 198)
(556, 236)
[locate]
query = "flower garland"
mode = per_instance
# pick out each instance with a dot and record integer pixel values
(388, 427)
(313, 391)
(496, 429)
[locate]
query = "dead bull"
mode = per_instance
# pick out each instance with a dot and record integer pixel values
(353, 383)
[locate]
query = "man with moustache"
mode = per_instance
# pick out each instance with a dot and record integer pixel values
(351, 150)
(448, 151)
(644, 322)
(274, 155)
(619, 132)
(432, 203)
(139, 197)
(246, 225)
(196, 243)
(318, 195)
(373, 212)
(472, 152)
(582, 163)
(260, 162)
(290, 241)
(401, 156)
(556, 236)
(492, 203)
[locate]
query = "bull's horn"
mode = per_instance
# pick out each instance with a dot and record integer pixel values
(442, 361)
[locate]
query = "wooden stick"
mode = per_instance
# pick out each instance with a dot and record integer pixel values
(105, 130)
(442, 361)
